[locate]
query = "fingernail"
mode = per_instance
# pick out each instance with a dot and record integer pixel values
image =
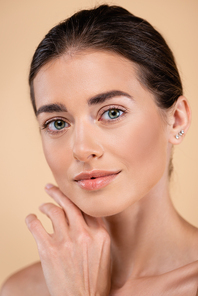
(29, 218)
(49, 186)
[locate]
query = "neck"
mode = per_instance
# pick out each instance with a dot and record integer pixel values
(149, 238)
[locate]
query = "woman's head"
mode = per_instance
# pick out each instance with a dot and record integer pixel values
(98, 84)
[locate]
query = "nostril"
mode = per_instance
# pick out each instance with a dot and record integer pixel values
(84, 153)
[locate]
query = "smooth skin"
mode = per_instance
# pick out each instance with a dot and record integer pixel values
(125, 238)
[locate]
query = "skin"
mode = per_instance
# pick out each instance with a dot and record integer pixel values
(127, 251)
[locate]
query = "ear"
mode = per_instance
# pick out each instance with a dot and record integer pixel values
(180, 119)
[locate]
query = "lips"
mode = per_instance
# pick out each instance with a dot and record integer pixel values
(96, 179)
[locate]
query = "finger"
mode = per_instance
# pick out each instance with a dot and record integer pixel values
(73, 213)
(57, 217)
(101, 222)
(92, 222)
(37, 229)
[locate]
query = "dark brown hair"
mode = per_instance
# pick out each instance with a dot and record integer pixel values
(113, 28)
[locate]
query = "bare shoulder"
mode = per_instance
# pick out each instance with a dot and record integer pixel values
(26, 282)
(183, 280)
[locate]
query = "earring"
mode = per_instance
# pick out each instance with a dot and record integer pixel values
(179, 134)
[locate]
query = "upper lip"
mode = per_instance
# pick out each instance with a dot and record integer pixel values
(94, 174)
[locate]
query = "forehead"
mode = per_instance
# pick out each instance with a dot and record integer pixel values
(83, 75)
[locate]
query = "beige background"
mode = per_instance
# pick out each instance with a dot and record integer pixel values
(24, 171)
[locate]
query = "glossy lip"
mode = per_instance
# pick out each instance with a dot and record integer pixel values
(95, 179)
(94, 174)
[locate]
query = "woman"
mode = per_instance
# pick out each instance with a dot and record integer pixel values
(109, 102)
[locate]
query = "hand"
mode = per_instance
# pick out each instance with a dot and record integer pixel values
(76, 257)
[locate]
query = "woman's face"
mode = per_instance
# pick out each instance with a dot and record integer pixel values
(97, 119)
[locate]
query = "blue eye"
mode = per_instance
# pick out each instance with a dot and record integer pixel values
(57, 125)
(112, 114)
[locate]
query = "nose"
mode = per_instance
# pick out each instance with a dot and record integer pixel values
(86, 145)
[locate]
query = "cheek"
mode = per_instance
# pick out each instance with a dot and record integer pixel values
(142, 149)
(58, 158)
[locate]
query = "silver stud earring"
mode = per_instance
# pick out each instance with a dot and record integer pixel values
(179, 134)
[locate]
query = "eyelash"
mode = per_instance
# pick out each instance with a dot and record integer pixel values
(46, 124)
(112, 107)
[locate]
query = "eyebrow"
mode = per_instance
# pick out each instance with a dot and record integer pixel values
(50, 108)
(98, 99)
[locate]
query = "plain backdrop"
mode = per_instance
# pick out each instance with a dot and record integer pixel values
(23, 170)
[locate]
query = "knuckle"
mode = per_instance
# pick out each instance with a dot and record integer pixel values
(102, 234)
(84, 237)
(69, 246)
(55, 211)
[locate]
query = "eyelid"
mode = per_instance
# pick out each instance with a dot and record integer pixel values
(47, 122)
(109, 107)
(100, 113)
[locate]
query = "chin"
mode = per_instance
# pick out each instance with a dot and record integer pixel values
(101, 208)
(97, 213)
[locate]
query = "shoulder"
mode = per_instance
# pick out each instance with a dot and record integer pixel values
(184, 280)
(26, 282)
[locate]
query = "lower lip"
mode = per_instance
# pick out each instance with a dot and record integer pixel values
(98, 183)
